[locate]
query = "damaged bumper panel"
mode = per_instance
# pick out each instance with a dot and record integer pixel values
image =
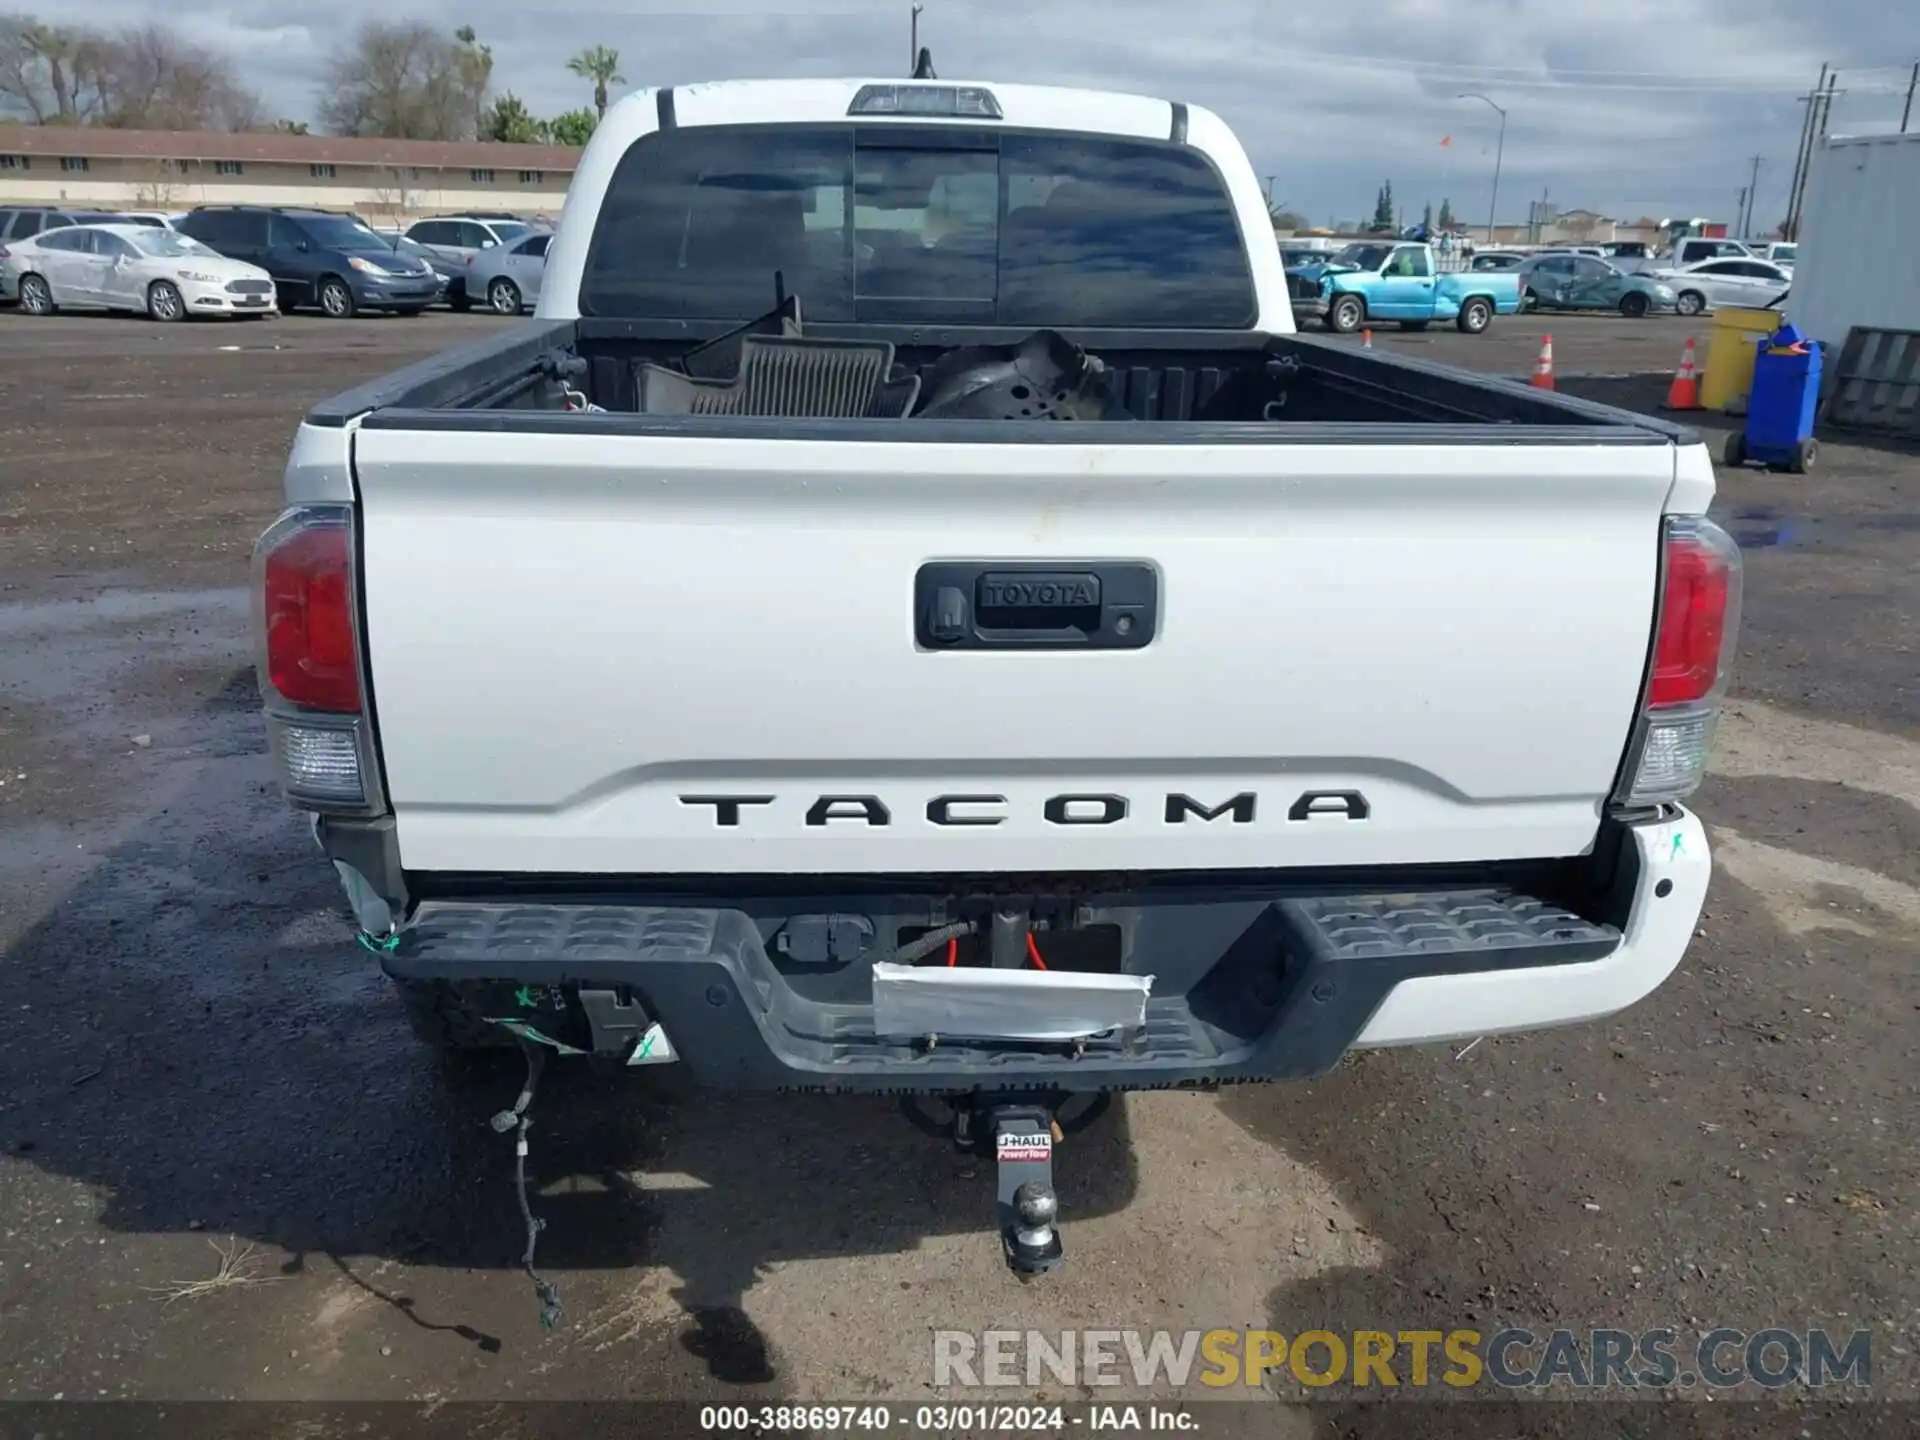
(1215, 984)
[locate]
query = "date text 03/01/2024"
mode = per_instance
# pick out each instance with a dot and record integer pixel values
(943, 1419)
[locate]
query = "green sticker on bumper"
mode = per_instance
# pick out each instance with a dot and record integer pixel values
(653, 1048)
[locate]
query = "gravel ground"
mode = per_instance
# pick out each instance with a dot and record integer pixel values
(200, 1075)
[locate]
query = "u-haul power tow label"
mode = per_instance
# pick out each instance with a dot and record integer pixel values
(1036, 1146)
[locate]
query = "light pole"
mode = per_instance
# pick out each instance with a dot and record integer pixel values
(913, 41)
(1499, 150)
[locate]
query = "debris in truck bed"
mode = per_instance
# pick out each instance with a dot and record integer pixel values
(791, 376)
(770, 367)
(1044, 377)
(719, 357)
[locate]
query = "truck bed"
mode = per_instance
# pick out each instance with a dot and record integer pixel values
(1194, 387)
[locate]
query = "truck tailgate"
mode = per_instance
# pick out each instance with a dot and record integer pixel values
(579, 644)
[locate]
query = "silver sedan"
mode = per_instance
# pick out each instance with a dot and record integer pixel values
(506, 278)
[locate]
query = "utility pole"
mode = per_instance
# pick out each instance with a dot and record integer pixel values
(1741, 210)
(1913, 83)
(1500, 150)
(1749, 194)
(1818, 114)
(913, 45)
(1802, 152)
(1270, 180)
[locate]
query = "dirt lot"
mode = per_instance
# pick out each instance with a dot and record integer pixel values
(195, 1057)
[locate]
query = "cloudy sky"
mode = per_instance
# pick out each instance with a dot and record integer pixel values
(1626, 106)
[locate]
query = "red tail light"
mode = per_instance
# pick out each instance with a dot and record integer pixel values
(312, 659)
(1692, 653)
(1697, 602)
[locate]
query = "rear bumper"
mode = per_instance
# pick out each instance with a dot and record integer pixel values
(1250, 983)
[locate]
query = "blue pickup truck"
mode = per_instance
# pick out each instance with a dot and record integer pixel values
(1373, 281)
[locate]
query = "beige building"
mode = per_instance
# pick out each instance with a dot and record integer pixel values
(176, 170)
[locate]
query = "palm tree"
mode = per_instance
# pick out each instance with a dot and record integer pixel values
(475, 63)
(600, 64)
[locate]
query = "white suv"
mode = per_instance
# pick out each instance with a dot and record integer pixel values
(460, 237)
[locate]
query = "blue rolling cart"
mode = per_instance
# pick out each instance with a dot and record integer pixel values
(1780, 410)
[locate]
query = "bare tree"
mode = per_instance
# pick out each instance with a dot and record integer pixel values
(159, 188)
(390, 195)
(46, 71)
(140, 78)
(22, 93)
(404, 81)
(148, 79)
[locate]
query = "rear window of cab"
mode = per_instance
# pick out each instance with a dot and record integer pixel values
(910, 224)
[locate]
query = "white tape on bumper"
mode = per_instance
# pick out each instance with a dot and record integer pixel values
(912, 1001)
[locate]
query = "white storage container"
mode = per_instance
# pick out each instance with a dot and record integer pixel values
(1859, 256)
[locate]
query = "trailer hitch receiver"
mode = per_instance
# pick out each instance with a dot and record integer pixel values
(1019, 1131)
(1028, 1206)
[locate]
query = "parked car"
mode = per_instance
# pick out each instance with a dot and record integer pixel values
(1497, 260)
(318, 258)
(141, 268)
(1779, 252)
(154, 219)
(461, 237)
(20, 222)
(1399, 281)
(507, 277)
(1618, 250)
(1757, 284)
(1580, 282)
(452, 276)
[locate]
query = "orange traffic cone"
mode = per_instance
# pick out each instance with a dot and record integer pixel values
(1543, 367)
(1684, 393)
(1366, 339)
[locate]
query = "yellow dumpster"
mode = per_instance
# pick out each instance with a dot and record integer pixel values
(1737, 336)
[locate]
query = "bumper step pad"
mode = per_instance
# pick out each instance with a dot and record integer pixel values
(1459, 922)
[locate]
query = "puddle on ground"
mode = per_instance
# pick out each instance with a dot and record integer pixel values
(109, 606)
(1765, 527)
(125, 662)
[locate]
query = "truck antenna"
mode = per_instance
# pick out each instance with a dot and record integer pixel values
(923, 67)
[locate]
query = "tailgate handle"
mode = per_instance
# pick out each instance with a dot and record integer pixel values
(1035, 605)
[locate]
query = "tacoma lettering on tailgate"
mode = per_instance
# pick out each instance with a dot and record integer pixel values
(1072, 809)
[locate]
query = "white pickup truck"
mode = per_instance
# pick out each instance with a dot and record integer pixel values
(910, 615)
